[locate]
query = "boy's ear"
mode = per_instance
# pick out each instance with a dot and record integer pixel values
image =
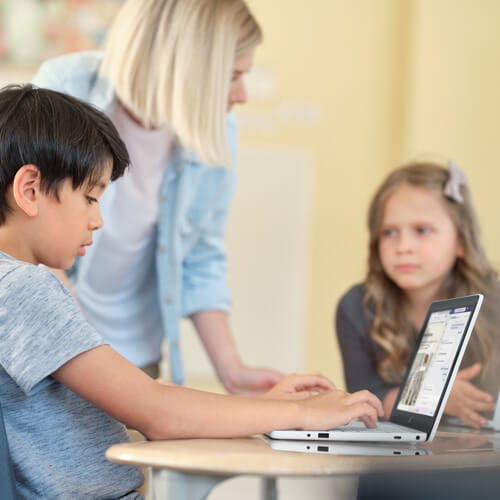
(26, 189)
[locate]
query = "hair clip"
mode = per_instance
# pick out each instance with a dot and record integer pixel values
(456, 179)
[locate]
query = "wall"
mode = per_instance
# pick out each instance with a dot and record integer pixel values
(338, 66)
(364, 86)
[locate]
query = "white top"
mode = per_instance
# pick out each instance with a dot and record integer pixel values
(119, 268)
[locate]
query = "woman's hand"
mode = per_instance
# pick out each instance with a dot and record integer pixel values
(243, 380)
(329, 409)
(299, 387)
(466, 401)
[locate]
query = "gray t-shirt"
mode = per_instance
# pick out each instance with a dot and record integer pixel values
(57, 439)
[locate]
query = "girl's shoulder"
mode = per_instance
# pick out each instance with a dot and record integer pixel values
(353, 298)
(353, 316)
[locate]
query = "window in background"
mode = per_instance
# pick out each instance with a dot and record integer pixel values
(33, 30)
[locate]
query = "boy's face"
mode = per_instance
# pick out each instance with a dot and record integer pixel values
(65, 227)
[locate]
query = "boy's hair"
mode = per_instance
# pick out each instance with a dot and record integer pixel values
(391, 327)
(62, 136)
(170, 64)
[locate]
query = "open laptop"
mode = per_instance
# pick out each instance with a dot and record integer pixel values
(427, 382)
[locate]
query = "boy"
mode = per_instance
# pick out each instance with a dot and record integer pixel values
(61, 387)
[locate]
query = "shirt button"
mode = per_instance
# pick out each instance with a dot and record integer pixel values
(164, 197)
(168, 300)
(162, 248)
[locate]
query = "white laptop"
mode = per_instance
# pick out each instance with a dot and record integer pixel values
(340, 448)
(427, 382)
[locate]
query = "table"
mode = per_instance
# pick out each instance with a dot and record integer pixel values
(208, 461)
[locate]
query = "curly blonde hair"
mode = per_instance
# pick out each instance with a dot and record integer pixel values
(391, 328)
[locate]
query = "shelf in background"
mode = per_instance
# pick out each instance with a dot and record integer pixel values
(10, 73)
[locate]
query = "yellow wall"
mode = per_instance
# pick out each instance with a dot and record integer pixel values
(389, 79)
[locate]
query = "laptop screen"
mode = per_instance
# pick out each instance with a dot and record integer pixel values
(434, 360)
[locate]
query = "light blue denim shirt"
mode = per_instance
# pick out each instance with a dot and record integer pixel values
(191, 259)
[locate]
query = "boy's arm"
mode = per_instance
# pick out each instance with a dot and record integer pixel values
(112, 383)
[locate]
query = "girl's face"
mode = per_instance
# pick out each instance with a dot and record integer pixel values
(418, 242)
(238, 91)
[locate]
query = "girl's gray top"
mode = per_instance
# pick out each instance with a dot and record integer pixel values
(359, 351)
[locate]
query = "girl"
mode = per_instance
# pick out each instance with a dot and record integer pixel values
(424, 246)
(170, 73)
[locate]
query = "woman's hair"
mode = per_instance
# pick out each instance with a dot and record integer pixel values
(170, 63)
(391, 328)
(63, 136)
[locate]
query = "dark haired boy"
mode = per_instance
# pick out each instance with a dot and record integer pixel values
(61, 387)
(57, 156)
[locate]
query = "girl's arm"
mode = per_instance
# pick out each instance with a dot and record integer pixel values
(465, 400)
(112, 383)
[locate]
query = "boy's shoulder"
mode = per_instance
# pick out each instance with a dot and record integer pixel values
(24, 278)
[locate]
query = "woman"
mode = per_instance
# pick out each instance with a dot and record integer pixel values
(170, 74)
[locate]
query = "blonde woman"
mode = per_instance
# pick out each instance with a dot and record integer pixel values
(425, 245)
(169, 76)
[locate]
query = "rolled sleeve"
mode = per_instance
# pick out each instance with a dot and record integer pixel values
(205, 266)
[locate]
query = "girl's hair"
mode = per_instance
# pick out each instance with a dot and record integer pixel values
(391, 328)
(170, 63)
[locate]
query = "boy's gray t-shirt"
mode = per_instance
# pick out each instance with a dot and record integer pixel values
(57, 439)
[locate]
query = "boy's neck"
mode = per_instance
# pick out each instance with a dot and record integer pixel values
(13, 243)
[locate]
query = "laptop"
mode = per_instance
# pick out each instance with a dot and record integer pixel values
(339, 448)
(426, 385)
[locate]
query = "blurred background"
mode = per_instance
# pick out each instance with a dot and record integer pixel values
(341, 92)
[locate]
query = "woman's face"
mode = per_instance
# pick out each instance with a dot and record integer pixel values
(237, 90)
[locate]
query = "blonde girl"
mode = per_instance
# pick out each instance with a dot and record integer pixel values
(169, 75)
(424, 245)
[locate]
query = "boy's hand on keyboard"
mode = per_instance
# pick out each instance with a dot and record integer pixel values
(331, 409)
(299, 387)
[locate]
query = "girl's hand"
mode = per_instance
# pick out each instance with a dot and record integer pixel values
(330, 409)
(299, 387)
(466, 401)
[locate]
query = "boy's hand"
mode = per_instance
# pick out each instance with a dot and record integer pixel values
(330, 409)
(299, 387)
(466, 400)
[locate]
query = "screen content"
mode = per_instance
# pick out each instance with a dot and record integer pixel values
(434, 360)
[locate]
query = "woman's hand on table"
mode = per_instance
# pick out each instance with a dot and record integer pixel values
(299, 387)
(247, 381)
